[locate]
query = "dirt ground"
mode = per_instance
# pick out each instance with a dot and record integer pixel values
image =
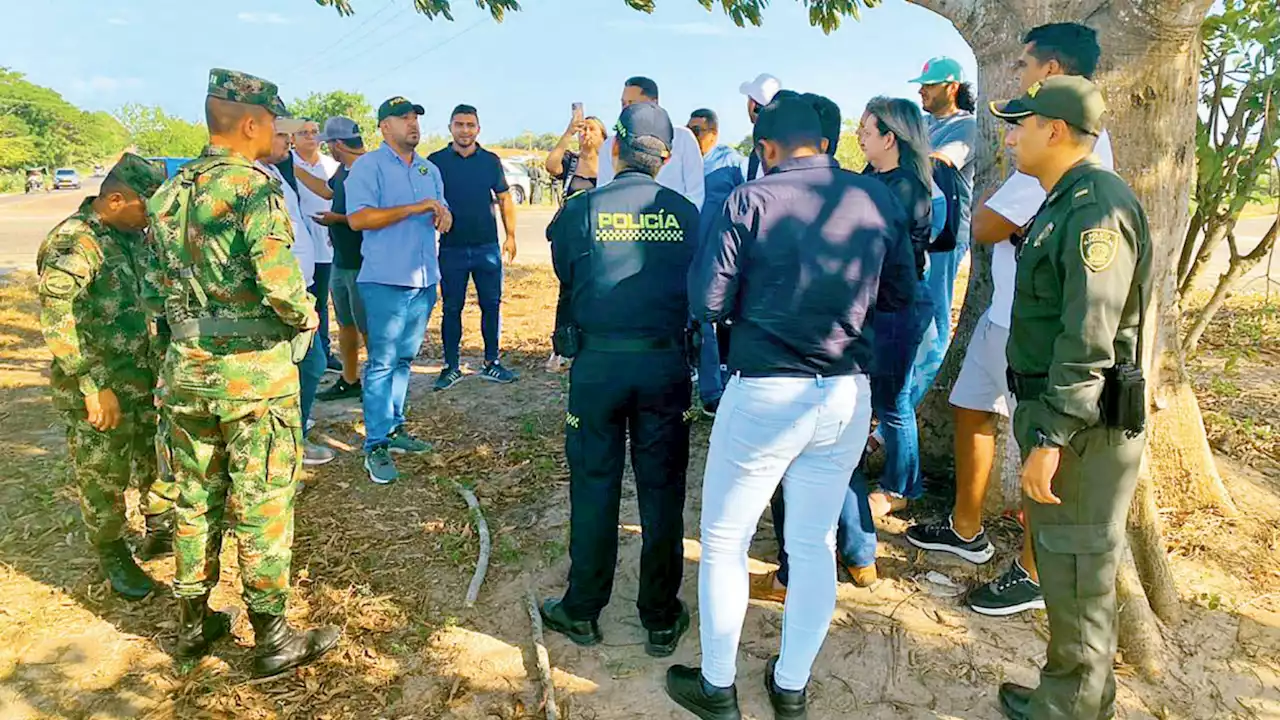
(391, 566)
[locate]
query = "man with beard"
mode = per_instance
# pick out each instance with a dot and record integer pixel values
(396, 198)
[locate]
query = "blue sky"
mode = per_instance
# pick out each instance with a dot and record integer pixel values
(521, 74)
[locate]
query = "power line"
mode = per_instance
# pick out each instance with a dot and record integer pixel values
(353, 36)
(429, 50)
(334, 59)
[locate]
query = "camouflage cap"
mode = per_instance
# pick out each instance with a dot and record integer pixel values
(244, 88)
(138, 174)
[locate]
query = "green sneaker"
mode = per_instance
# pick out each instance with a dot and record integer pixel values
(402, 442)
(380, 466)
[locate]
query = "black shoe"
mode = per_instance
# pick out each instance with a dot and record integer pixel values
(686, 686)
(278, 647)
(159, 539)
(582, 632)
(199, 628)
(449, 377)
(495, 372)
(340, 390)
(127, 579)
(662, 643)
(1015, 701)
(787, 704)
(1009, 594)
(942, 537)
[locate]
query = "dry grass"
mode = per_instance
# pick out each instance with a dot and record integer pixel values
(391, 566)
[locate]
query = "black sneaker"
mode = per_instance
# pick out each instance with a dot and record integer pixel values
(943, 538)
(686, 686)
(340, 390)
(1009, 594)
(449, 377)
(581, 632)
(662, 643)
(787, 704)
(333, 365)
(495, 372)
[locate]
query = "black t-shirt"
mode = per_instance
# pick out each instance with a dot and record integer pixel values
(917, 201)
(577, 183)
(470, 186)
(346, 242)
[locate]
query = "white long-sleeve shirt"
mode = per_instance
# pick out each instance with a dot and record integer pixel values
(311, 204)
(682, 173)
(304, 248)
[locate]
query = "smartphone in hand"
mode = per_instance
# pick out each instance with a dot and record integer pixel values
(577, 112)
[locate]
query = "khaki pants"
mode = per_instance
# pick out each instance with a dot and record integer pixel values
(1079, 545)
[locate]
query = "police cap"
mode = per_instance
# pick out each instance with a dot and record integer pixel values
(645, 119)
(1070, 98)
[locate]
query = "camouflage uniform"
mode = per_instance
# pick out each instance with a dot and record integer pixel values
(233, 297)
(95, 324)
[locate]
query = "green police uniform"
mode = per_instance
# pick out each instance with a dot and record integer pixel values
(1076, 314)
(234, 300)
(95, 325)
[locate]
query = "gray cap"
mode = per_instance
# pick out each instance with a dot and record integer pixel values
(339, 128)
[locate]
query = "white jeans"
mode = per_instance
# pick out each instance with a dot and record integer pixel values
(808, 434)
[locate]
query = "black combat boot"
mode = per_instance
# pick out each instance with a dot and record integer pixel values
(200, 628)
(159, 539)
(278, 647)
(1015, 701)
(127, 579)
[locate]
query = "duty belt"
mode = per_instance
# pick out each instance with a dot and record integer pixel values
(232, 327)
(1026, 387)
(632, 344)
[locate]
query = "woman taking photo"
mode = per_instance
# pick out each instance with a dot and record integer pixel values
(895, 140)
(577, 171)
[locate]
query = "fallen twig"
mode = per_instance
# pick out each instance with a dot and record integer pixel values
(482, 563)
(544, 660)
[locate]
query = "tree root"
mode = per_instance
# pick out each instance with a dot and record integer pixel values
(548, 694)
(482, 563)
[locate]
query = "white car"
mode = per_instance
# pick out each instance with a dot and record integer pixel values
(519, 180)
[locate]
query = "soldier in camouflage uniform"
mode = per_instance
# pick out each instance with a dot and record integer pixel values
(95, 325)
(236, 310)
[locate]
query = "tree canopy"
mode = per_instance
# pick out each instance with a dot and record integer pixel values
(39, 127)
(158, 134)
(825, 14)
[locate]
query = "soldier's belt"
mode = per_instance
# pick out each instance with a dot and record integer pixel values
(1026, 387)
(232, 327)
(636, 344)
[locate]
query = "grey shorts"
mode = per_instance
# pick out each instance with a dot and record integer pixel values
(346, 299)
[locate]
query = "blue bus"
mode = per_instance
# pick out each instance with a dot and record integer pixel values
(171, 164)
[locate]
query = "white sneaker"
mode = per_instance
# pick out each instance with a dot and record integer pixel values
(313, 454)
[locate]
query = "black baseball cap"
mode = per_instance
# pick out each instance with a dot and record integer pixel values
(645, 119)
(1073, 99)
(396, 106)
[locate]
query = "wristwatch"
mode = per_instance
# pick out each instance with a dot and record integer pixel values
(1043, 441)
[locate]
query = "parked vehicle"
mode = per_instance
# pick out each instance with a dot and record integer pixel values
(66, 178)
(35, 180)
(519, 180)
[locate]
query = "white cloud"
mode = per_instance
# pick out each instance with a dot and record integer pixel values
(105, 85)
(262, 18)
(117, 21)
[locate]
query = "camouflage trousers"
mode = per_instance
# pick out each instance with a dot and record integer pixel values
(240, 456)
(104, 462)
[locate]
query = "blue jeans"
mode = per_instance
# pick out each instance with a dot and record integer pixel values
(310, 370)
(320, 288)
(461, 263)
(941, 281)
(397, 318)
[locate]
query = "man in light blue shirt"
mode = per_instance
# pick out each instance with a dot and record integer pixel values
(397, 199)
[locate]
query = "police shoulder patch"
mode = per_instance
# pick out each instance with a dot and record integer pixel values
(1098, 248)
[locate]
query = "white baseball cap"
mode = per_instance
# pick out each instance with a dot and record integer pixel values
(762, 89)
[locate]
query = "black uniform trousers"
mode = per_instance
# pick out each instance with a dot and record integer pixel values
(611, 394)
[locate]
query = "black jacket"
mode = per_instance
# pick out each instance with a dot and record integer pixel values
(797, 260)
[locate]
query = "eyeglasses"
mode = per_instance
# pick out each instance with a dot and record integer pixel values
(699, 130)
(308, 133)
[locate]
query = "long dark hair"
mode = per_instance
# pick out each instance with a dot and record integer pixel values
(965, 99)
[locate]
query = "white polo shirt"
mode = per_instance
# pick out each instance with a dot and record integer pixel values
(1017, 201)
(304, 248)
(312, 204)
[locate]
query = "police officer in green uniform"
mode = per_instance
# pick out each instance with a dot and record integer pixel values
(622, 254)
(1075, 366)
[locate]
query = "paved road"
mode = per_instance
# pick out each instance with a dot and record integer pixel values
(25, 219)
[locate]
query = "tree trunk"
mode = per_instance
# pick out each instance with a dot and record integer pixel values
(1141, 637)
(1240, 265)
(1151, 54)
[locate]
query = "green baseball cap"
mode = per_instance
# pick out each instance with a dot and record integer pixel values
(940, 70)
(138, 174)
(244, 88)
(1070, 98)
(397, 106)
